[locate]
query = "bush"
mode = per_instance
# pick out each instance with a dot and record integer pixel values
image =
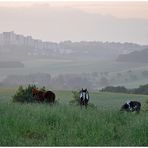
(121, 89)
(143, 89)
(76, 98)
(25, 94)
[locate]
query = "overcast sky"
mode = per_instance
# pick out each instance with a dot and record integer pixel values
(77, 21)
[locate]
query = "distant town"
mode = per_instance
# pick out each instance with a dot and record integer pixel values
(69, 65)
(20, 46)
(11, 38)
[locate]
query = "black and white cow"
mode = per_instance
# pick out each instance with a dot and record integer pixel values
(131, 106)
(84, 97)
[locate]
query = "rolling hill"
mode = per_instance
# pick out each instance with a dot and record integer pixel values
(135, 57)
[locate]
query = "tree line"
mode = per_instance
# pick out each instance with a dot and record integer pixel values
(142, 89)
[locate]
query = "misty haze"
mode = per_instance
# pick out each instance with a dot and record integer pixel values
(70, 65)
(71, 45)
(52, 53)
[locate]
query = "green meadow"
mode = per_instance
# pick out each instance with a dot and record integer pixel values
(62, 124)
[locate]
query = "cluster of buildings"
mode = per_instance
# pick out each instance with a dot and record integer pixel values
(11, 38)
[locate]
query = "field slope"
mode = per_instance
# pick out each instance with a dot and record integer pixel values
(67, 125)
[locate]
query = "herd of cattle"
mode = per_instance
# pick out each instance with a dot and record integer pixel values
(49, 96)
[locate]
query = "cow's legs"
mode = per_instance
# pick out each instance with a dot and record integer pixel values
(85, 106)
(86, 103)
(81, 104)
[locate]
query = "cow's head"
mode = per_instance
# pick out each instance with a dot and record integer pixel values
(124, 107)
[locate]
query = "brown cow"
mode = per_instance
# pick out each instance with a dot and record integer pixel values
(38, 94)
(49, 96)
(42, 96)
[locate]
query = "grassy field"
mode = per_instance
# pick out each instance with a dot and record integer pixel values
(62, 66)
(67, 65)
(67, 125)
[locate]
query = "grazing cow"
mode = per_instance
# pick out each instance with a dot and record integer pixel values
(42, 96)
(84, 97)
(38, 94)
(131, 106)
(49, 96)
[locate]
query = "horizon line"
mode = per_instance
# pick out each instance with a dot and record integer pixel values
(58, 42)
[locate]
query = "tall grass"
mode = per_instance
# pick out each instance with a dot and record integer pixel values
(35, 124)
(63, 125)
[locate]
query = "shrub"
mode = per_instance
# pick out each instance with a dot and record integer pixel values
(115, 89)
(143, 89)
(76, 98)
(25, 94)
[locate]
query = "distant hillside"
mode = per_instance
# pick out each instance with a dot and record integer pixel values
(11, 64)
(19, 47)
(142, 89)
(136, 56)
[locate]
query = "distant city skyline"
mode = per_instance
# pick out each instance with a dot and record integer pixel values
(11, 38)
(77, 21)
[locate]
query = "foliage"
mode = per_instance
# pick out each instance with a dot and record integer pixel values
(76, 98)
(115, 89)
(25, 94)
(143, 89)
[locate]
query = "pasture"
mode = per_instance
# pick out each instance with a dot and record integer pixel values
(69, 65)
(76, 65)
(118, 73)
(67, 125)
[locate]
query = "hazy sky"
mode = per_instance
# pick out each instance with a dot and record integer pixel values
(77, 21)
